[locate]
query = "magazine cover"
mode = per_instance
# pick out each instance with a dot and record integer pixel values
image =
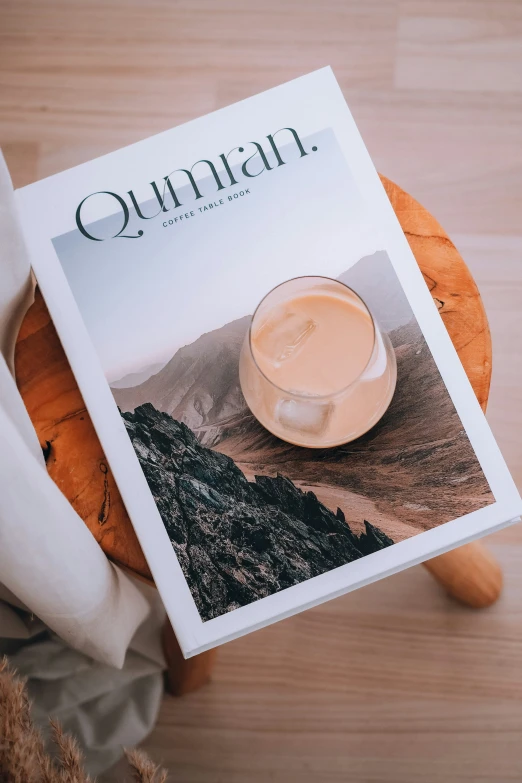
(199, 281)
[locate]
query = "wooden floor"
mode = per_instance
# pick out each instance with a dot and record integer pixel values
(394, 682)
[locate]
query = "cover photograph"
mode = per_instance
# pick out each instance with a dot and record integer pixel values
(277, 396)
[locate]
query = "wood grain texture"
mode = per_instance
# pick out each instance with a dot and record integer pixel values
(451, 285)
(75, 459)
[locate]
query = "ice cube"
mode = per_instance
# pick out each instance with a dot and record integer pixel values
(283, 334)
(307, 415)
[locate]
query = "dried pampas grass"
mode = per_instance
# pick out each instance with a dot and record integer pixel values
(23, 758)
(145, 771)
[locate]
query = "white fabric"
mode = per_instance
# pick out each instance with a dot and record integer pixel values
(105, 708)
(50, 564)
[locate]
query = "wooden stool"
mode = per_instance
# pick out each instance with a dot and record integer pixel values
(77, 464)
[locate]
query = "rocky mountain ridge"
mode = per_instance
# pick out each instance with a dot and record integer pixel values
(237, 540)
(199, 385)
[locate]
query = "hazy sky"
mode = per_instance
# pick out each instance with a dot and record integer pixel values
(142, 299)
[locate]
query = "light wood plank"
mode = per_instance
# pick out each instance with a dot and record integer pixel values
(496, 263)
(393, 683)
(459, 53)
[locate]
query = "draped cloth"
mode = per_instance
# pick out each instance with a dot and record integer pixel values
(85, 634)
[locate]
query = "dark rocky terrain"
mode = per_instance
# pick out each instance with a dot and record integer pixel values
(237, 541)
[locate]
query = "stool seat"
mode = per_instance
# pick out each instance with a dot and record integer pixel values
(77, 464)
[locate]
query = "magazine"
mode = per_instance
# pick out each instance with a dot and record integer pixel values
(252, 496)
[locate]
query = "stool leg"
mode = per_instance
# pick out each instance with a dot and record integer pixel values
(184, 676)
(470, 574)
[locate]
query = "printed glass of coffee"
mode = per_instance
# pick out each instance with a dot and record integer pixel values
(315, 369)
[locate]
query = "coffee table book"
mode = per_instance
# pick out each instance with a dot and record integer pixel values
(152, 261)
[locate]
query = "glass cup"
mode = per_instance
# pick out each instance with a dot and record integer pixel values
(316, 417)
